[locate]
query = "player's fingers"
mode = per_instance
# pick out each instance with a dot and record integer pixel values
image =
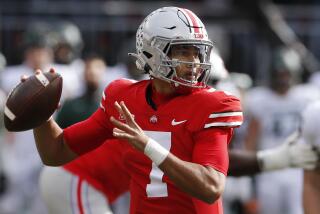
(124, 108)
(52, 70)
(122, 135)
(124, 127)
(23, 78)
(306, 149)
(309, 160)
(310, 167)
(38, 71)
(129, 116)
(119, 109)
(126, 111)
(293, 138)
(118, 130)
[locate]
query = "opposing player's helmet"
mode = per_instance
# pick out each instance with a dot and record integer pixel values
(163, 29)
(68, 42)
(38, 35)
(286, 68)
(286, 59)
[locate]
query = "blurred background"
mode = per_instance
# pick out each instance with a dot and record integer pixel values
(255, 40)
(241, 29)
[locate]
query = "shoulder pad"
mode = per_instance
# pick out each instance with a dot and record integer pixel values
(114, 88)
(220, 110)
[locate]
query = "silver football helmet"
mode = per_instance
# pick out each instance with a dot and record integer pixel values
(164, 29)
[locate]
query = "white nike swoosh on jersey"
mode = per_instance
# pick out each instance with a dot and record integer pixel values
(174, 122)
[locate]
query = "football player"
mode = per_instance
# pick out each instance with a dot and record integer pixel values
(274, 113)
(93, 181)
(176, 128)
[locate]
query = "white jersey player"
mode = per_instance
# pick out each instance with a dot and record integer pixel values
(275, 113)
(277, 117)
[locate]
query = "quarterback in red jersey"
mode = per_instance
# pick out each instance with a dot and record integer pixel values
(98, 177)
(175, 129)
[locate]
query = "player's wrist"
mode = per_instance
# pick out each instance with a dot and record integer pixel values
(272, 159)
(155, 151)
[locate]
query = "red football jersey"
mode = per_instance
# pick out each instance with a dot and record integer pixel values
(103, 168)
(195, 128)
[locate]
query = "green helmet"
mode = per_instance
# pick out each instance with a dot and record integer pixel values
(38, 34)
(67, 37)
(286, 59)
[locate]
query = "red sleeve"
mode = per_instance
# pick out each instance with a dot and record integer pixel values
(211, 148)
(226, 112)
(87, 135)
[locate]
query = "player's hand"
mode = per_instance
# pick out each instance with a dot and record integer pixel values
(130, 130)
(292, 153)
(302, 155)
(24, 77)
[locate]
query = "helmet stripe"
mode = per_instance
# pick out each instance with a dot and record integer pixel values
(190, 15)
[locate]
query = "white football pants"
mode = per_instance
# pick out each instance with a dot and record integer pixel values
(66, 193)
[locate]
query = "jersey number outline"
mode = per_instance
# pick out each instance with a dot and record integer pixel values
(156, 187)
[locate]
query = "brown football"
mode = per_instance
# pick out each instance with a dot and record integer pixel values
(33, 101)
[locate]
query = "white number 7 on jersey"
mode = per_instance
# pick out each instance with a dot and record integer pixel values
(156, 187)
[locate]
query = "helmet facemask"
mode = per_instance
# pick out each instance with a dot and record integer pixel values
(164, 65)
(199, 67)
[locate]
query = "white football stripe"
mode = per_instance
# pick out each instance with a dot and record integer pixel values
(85, 197)
(225, 114)
(188, 18)
(193, 20)
(42, 79)
(103, 96)
(73, 193)
(101, 106)
(9, 113)
(216, 124)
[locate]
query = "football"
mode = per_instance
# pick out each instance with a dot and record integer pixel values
(32, 101)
